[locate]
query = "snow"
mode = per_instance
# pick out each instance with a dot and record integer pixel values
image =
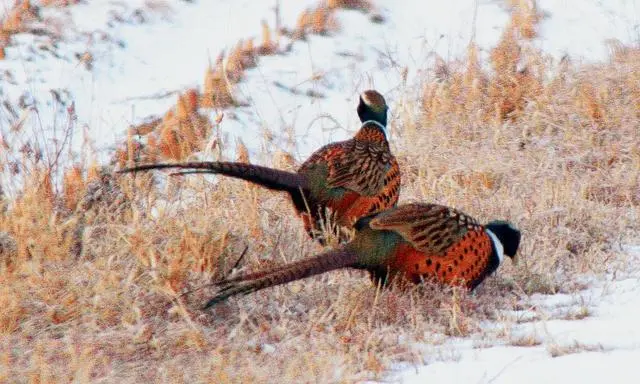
(603, 346)
(134, 61)
(360, 56)
(532, 365)
(581, 28)
(142, 59)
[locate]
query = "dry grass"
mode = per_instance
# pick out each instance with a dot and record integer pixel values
(526, 341)
(58, 3)
(181, 132)
(17, 17)
(177, 137)
(556, 350)
(361, 5)
(21, 17)
(15, 21)
(320, 20)
(91, 289)
(221, 77)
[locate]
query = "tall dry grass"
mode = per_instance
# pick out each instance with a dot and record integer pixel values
(15, 20)
(24, 16)
(91, 289)
(177, 138)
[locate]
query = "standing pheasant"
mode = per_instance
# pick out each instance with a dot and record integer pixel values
(352, 178)
(415, 241)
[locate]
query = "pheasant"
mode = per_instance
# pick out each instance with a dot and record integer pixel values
(352, 178)
(414, 241)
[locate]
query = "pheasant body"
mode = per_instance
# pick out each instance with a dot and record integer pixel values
(352, 178)
(413, 241)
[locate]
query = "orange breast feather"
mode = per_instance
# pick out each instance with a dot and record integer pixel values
(463, 262)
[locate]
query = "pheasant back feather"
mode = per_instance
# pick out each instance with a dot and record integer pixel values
(430, 228)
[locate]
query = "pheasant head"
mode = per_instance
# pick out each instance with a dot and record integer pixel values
(505, 237)
(372, 106)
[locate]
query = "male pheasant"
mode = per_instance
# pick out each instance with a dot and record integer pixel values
(415, 241)
(352, 178)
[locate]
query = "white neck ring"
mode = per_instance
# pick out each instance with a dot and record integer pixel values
(384, 129)
(497, 244)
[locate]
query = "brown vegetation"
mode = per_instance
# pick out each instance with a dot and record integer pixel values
(92, 286)
(21, 16)
(179, 138)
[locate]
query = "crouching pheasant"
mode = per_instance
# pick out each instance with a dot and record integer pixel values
(414, 241)
(352, 178)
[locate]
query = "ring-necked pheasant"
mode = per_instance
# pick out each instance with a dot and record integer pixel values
(352, 178)
(415, 241)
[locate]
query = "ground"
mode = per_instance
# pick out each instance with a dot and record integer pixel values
(522, 110)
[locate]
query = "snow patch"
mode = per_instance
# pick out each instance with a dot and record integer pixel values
(603, 345)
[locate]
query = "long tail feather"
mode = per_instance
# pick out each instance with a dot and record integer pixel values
(335, 259)
(185, 173)
(270, 178)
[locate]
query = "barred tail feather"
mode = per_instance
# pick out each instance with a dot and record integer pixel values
(267, 177)
(335, 259)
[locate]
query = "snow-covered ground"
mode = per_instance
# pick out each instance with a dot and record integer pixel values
(138, 66)
(140, 61)
(602, 346)
(582, 28)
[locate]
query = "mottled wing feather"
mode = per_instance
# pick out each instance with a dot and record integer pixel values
(356, 166)
(430, 228)
(323, 154)
(362, 169)
(362, 176)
